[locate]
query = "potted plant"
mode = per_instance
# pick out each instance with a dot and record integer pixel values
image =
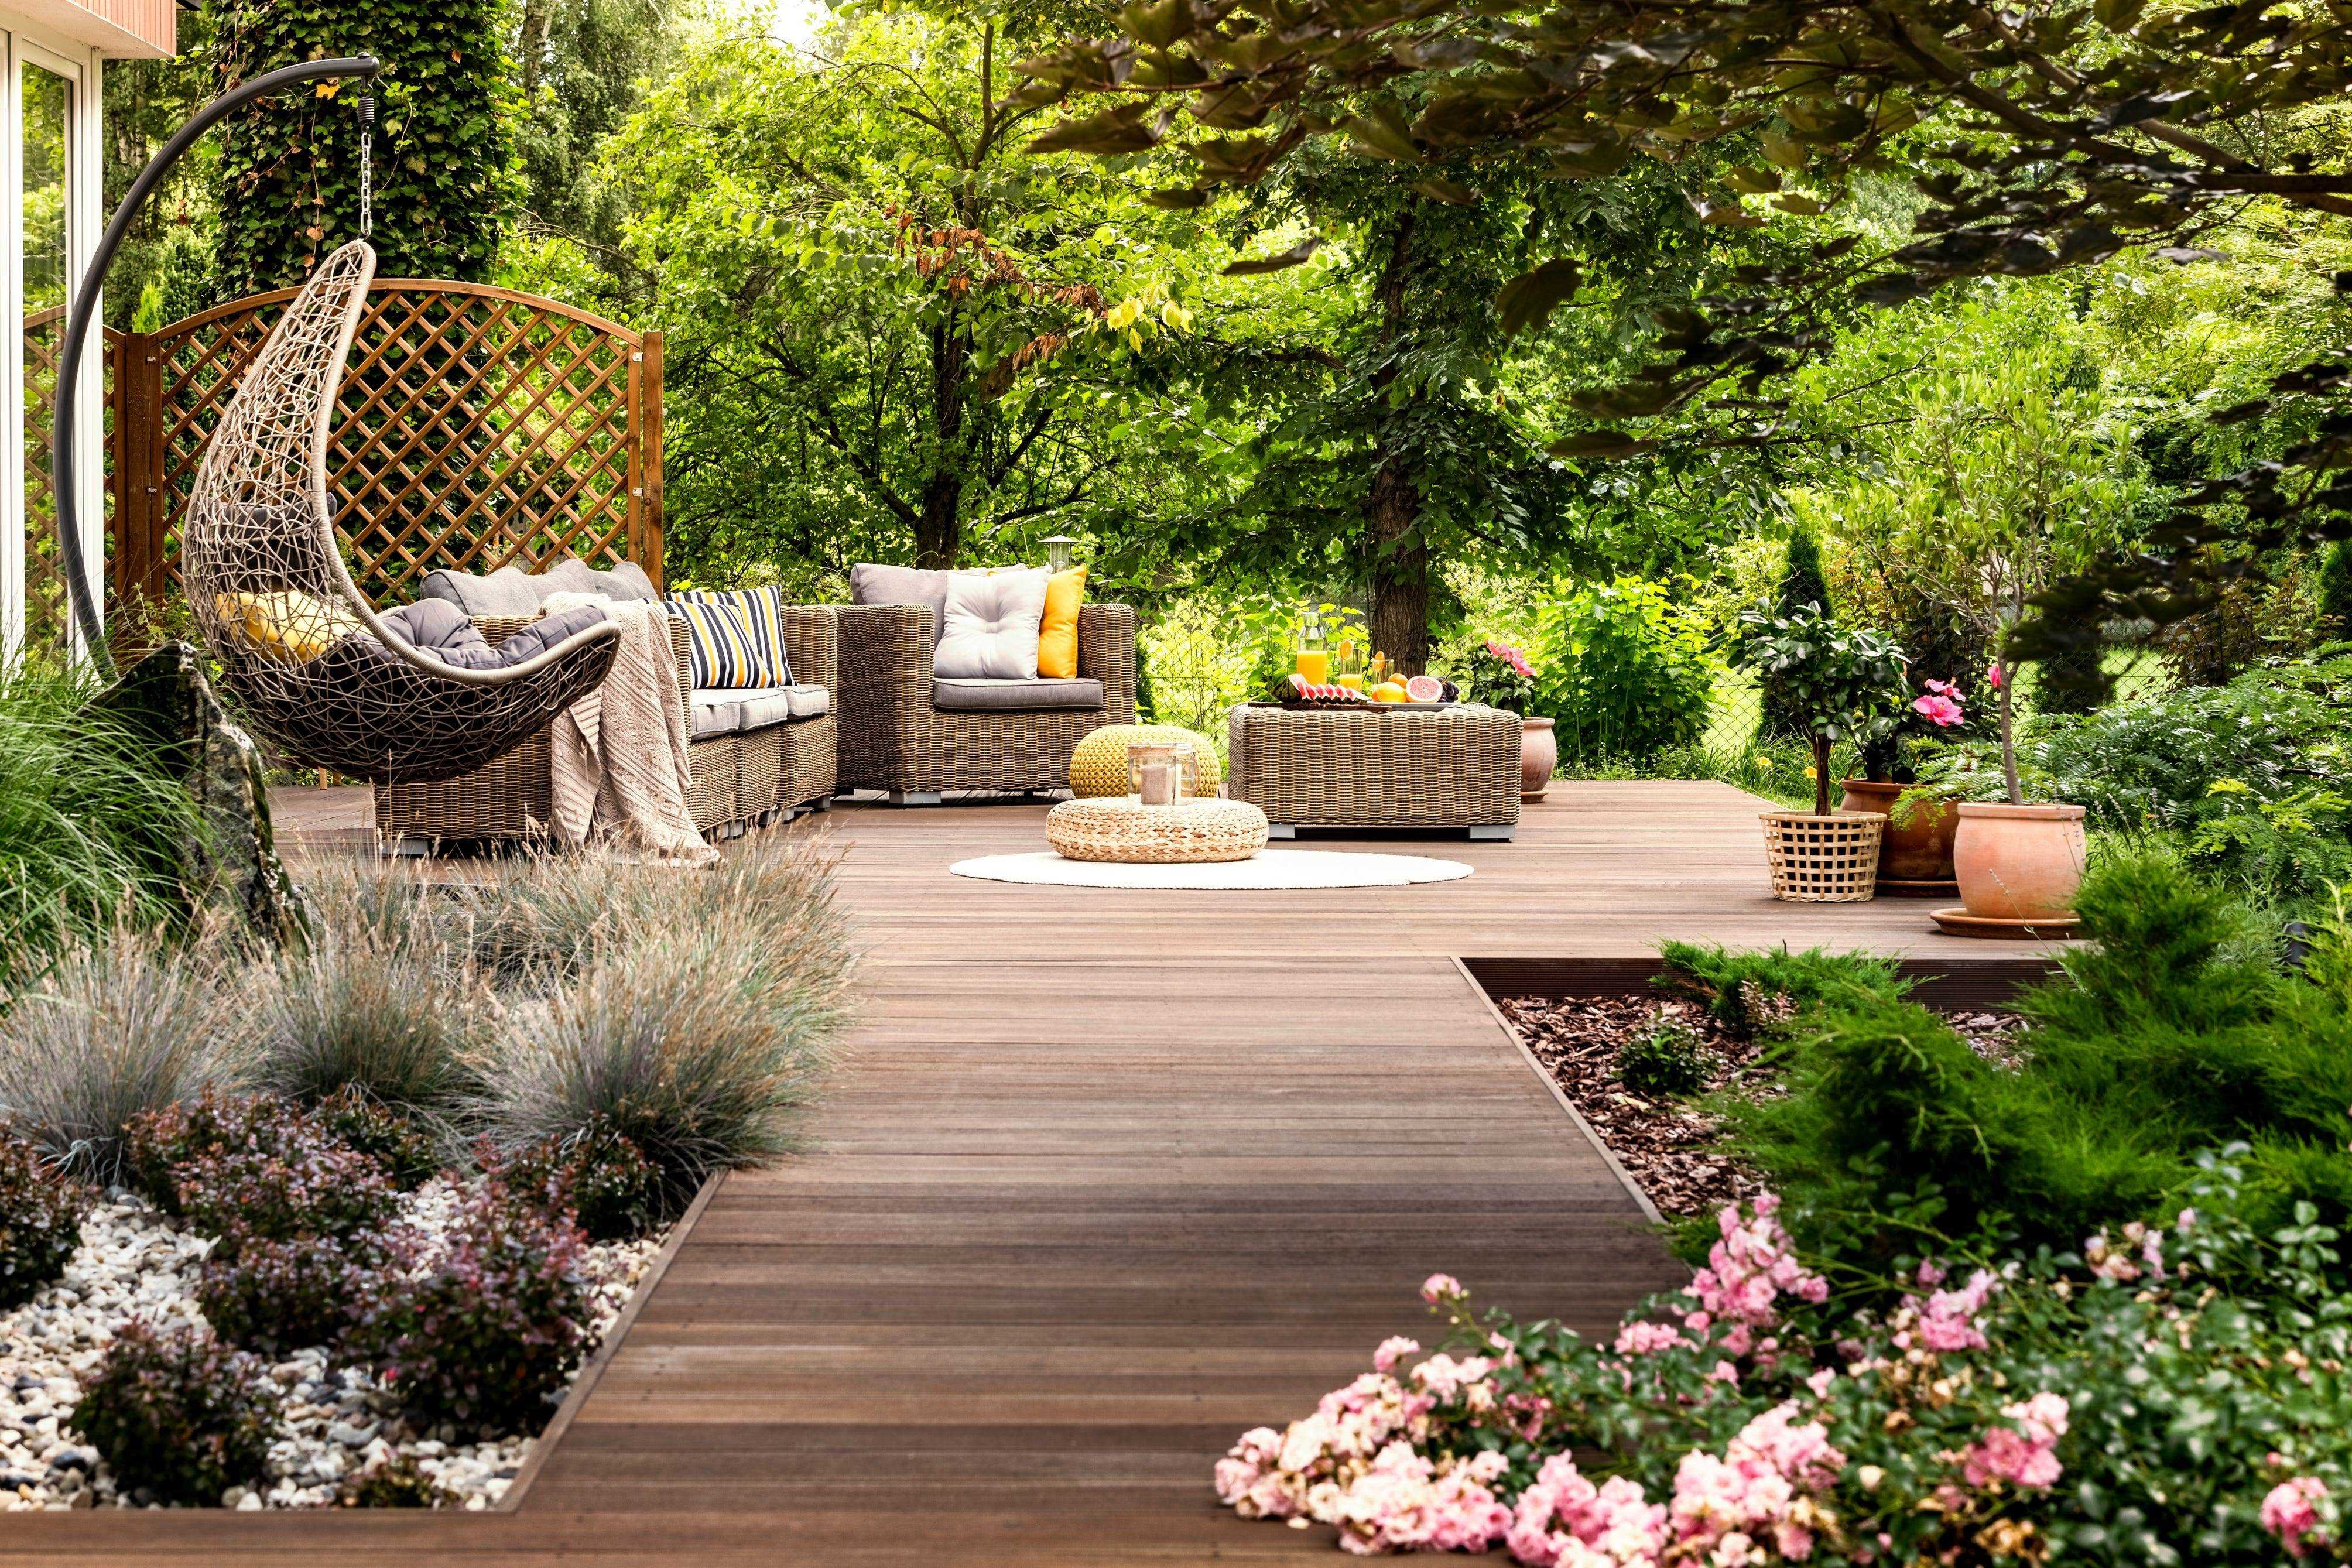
(1837, 683)
(1997, 478)
(1499, 676)
(1915, 854)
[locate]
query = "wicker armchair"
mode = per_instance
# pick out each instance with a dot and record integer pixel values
(893, 739)
(737, 779)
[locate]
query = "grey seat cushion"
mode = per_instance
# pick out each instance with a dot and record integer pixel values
(440, 628)
(726, 711)
(512, 590)
(975, 696)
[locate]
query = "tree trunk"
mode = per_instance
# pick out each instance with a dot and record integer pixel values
(939, 521)
(1400, 578)
(1398, 567)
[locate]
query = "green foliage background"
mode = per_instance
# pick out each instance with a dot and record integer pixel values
(289, 172)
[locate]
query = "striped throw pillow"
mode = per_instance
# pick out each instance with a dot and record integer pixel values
(736, 637)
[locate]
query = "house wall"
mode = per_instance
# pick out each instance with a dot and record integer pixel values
(116, 28)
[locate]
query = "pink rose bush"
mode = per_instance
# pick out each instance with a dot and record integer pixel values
(1950, 1415)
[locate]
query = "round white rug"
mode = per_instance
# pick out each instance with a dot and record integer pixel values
(1269, 868)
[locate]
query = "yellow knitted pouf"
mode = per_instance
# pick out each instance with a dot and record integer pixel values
(1098, 767)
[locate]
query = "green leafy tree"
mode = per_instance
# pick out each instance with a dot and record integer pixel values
(2033, 141)
(289, 172)
(581, 69)
(890, 331)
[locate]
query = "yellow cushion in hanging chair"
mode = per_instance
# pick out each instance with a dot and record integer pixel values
(285, 624)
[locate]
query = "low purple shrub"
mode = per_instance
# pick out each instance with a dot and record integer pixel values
(177, 1413)
(157, 1142)
(40, 1220)
(311, 1185)
(408, 1154)
(595, 1174)
(278, 1295)
(485, 1332)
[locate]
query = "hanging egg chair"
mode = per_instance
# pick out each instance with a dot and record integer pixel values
(412, 696)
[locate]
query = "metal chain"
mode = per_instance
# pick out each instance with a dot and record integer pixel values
(367, 163)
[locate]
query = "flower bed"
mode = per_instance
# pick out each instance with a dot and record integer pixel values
(2073, 1291)
(2115, 1404)
(337, 1423)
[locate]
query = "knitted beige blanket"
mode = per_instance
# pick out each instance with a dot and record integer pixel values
(618, 767)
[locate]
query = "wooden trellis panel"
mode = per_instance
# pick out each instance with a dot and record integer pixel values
(476, 426)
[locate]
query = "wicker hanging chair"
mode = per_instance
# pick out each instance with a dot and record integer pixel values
(318, 670)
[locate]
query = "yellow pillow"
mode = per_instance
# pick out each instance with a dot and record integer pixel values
(286, 625)
(1057, 635)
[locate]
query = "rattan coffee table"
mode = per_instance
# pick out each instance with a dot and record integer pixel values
(1119, 829)
(1455, 768)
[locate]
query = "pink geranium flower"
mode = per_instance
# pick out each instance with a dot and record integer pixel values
(1510, 656)
(1993, 676)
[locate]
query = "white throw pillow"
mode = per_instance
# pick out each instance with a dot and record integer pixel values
(991, 626)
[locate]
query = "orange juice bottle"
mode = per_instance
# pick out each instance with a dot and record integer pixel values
(1314, 658)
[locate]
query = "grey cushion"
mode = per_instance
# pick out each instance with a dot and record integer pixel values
(992, 627)
(440, 628)
(716, 712)
(1011, 696)
(725, 711)
(571, 575)
(512, 590)
(505, 592)
(873, 584)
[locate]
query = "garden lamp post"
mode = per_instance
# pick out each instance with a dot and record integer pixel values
(1057, 552)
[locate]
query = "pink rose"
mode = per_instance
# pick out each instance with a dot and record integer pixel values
(2291, 1512)
(1441, 1286)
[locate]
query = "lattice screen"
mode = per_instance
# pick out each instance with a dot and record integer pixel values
(477, 426)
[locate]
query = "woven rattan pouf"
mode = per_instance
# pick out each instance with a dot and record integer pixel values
(1118, 828)
(1098, 767)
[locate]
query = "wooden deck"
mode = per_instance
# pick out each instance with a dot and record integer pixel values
(1109, 1177)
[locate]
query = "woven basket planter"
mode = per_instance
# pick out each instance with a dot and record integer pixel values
(1823, 859)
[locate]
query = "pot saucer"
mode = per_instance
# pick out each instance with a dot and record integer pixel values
(1897, 888)
(1960, 922)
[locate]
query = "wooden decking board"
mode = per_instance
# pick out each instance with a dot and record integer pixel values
(1104, 1178)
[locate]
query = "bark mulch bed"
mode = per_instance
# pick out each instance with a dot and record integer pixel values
(1666, 1144)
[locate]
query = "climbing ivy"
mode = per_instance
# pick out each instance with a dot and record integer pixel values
(289, 167)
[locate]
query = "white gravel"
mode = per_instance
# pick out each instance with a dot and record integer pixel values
(132, 1262)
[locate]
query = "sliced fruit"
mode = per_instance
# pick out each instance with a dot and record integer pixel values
(1424, 689)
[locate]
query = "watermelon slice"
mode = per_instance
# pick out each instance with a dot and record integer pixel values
(1424, 689)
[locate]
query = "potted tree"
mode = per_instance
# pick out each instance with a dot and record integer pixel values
(1837, 684)
(1498, 675)
(1915, 855)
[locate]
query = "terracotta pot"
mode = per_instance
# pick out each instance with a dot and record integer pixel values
(1538, 755)
(1918, 848)
(2019, 862)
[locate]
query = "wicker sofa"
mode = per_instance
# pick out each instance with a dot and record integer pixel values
(913, 736)
(740, 776)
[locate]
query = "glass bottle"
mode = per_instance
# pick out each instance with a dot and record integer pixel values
(1314, 658)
